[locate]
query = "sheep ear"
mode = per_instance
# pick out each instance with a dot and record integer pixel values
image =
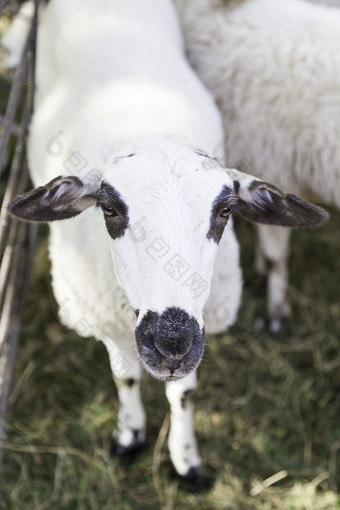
(62, 198)
(264, 203)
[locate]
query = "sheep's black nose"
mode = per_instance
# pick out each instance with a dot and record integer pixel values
(175, 333)
(172, 333)
(170, 340)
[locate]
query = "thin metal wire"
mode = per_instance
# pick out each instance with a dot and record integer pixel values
(17, 256)
(15, 128)
(12, 187)
(19, 79)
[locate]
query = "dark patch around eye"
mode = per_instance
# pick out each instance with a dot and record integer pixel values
(109, 197)
(187, 398)
(217, 223)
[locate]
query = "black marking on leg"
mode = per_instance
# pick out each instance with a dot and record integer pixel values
(195, 481)
(279, 326)
(187, 398)
(271, 265)
(120, 383)
(135, 433)
(127, 454)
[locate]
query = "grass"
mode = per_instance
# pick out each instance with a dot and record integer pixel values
(267, 412)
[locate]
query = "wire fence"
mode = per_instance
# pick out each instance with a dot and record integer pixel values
(17, 240)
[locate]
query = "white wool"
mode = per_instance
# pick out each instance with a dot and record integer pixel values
(92, 107)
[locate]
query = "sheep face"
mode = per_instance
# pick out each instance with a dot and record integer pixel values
(165, 211)
(165, 207)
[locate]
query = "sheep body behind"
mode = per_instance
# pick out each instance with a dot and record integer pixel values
(274, 70)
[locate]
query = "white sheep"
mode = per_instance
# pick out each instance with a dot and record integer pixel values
(121, 113)
(273, 68)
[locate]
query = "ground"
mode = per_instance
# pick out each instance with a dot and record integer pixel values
(266, 410)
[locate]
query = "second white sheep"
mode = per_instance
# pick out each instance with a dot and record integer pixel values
(274, 70)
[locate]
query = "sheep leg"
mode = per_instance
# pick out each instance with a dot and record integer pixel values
(129, 435)
(182, 442)
(272, 257)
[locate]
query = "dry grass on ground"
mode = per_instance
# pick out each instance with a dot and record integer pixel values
(267, 415)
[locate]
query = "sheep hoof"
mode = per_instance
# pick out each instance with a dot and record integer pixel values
(195, 481)
(278, 327)
(126, 454)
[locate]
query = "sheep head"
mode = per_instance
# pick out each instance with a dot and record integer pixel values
(166, 206)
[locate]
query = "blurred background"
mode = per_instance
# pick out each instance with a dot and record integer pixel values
(267, 410)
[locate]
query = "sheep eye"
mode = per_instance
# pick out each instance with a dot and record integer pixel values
(108, 211)
(225, 213)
